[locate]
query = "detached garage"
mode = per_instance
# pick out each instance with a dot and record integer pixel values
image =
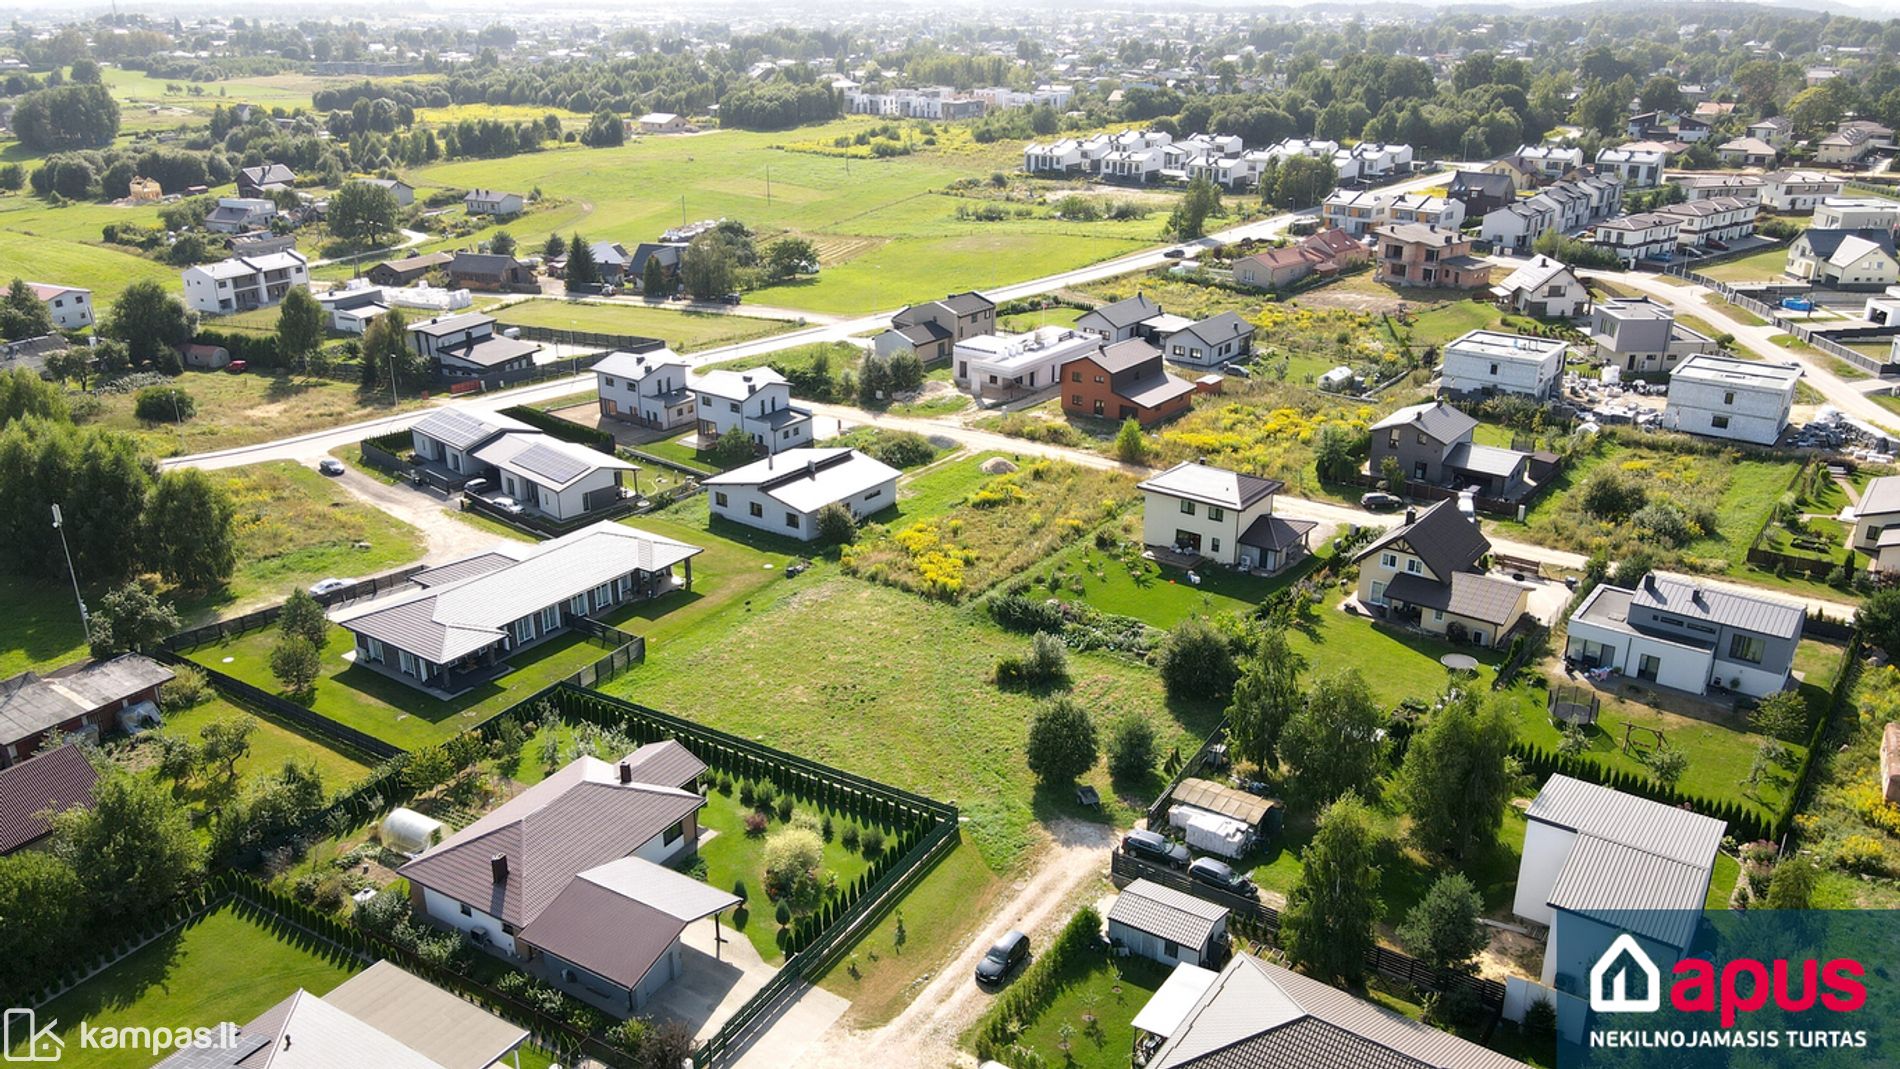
(1168, 926)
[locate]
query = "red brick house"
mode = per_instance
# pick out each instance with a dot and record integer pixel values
(1415, 254)
(1121, 380)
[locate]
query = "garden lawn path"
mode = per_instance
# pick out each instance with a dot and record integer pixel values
(925, 1035)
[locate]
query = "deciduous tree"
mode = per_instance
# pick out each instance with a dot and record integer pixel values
(363, 213)
(1062, 744)
(187, 529)
(1456, 778)
(299, 326)
(133, 850)
(1266, 696)
(1332, 740)
(149, 320)
(1327, 925)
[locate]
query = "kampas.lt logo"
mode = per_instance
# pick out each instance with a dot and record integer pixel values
(1610, 976)
(26, 1041)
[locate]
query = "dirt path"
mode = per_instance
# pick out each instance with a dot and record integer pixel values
(448, 537)
(924, 1036)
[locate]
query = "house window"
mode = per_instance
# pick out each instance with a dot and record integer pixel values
(1170, 948)
(550, 618)
(1421, 437)
(1075, 376)
(732, 406)
(1187, 507)
(791, 520)
(603, 595)
(607, 379)
(1215, 512)
(466, 912)
(1101, 408)
(879, 492)
(719, 498)
(1213, 545)
(1720, 423)
(373, 648)
(1075, 399)
(524, 630)
(507, 929)
(757, 510)
(674, 834)
(1099, 380)
(1494, 369)
(577, 605)
(407, 662)
(1413, 567)
(1747, 648)
(1728, 398)
(1389, 560)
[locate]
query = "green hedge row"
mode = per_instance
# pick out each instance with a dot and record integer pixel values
(1542, 762)
(1039, 985)
(808, 929)
(566, 430)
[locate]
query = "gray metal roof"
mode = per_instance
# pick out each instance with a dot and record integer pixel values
(1260, 1016)
(1486, 459)
(1199, 481)
(450, 1031)
(1440, 536)
(1822, 243)
(1274, 532)
(440, 325)
(1651, 895)
(466, 568)
(1123, 355)
(968, 303)
(1881, 496)
(1472, 596)
(579, 818)
(1681, 596)
(545, 459)
(31, 703)
(1436, 418)
(1219, 328)
(1126, 312)
(489, 351)
(1167, 913)
(1652, 827)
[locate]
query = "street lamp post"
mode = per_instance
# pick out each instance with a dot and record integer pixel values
(85, 622)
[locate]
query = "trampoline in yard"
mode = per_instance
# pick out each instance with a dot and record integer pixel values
(1576, 706)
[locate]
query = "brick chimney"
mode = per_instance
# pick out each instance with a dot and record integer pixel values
(498, 868)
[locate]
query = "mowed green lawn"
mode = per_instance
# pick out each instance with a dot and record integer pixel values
(272, 744)
(887, 236)
(228, 966)
(1760, 266)
(682, 331)
(39, 625)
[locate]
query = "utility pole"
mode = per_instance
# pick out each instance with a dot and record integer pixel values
(768, 183)
(682, 209)
(85, 622)
(393, 400)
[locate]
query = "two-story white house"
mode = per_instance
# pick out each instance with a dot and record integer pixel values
(1551, 161)
(243, 282)
(1673, 631)
(1544, 288)
(1638, 167)
(1057, 157)
(1797, 191)
(651, 389)
(1489, 361)
(466, 346)
(1845, 259)
(1643, 236)
(784, 492)
(1722, 397)
(235, 215)
(1428, 573)
(70, 306)
(756, 403)
(1196, 509)
(1638, 334)
(1005, 366)
(1856, 213)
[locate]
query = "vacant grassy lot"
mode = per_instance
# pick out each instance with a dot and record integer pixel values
(225, 967)
(39, 625)
(1847, 826)
(683, 331)
(895, 687)
(236, 410)
(1004, 525)
(1120, 582)
(1763, 266)
(272, 744)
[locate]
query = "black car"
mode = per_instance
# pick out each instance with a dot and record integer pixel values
(1174, 254)
(1220, 874)
(1008, 955)
(1378, 501)
(1155, 847)
(730, 298)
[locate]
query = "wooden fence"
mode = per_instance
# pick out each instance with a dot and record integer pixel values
(584, 339)
(1252, 915)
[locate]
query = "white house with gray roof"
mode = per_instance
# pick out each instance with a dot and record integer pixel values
(1197, 510)
(243, 282)
(1722, 397)
(1489, 361)
(784, 492)
(1609, 857)
(1675, 632)
(456, 625)
(1877, 523)
(1211, 342)
(1428, 573)
(554, 478)
(650, 389)
(1257, 1015)
(1165, 925)
(756, 403)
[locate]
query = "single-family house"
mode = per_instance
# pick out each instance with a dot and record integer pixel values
(491, 273)
(403, 192)
(35, 789)
(1414, 254)
(265, 179)
(1428, 572)
(1272, 269)
(350, 310)
(447, 438)
(1118, 320)
(1257, 1015)
(611, 261)
(1169, 926)
(1602, 856)
(1515, 227)
(243, 282)
(1877, 523)
(1124, 380)
(1544, 288)
(235, 215)
(86, 699)
(570, 878)
(1639, 237)
(933, 328)
(1551, 161)
(1005, 366)
(1205, 343)
(1677, 632)
(1057, 157)
(1481, 191)
(1638, 334)
(466, 346)
(1639, 167)
(552, 477)
(784, 492)
(1848, 145)
(493, 202)
(1856, 213)
(1355, 211)
(651, 389)
(70, 306)
(1844, 259)
(756, 403)
(455, 625)
(664, 122)
(1747, 152)
(408, 269)
(1709, 186)
(1796, 191)
(1722, 397)
(1334, 250)
(1432, 443)
(1444, 213)
(1712, 223)
(1489, 361)
(670, 255)
(382, 1016)
(1776, 130)
(1197, 510)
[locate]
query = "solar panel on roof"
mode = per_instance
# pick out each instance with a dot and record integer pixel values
(550, 463)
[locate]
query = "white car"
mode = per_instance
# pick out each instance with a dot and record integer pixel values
(326, 586)
(508, 505)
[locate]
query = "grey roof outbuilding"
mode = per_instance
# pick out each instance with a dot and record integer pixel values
(1167, 913)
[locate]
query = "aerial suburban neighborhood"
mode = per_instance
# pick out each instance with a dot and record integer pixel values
(1130, 537)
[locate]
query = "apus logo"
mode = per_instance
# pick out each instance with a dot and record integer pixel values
(23, 1040)
(1610, 976)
